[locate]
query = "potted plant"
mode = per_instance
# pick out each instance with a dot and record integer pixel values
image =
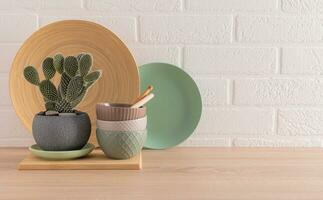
(61, 127)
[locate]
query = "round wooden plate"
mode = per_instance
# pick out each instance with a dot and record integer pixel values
(119, 82)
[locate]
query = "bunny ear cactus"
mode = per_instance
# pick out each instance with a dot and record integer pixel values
(48, 68)
(76, 79)
(31, 75)
(71, 65)
(48, 90)
(79, 56)
(74, 88)
(85, 64)
(58, 63)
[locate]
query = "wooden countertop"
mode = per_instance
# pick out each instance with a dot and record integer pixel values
(178, 173)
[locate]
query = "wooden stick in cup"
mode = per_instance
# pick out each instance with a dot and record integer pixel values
(146, 92)
(143, 101)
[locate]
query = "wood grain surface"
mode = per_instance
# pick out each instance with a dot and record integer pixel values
(177, 174)
(96, 160)
(119, 82)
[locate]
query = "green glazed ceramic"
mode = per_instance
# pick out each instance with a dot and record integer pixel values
(121, 144)
(175, 111)
(61, 155)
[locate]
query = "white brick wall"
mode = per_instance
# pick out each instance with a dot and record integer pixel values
(300, 122)
(147, 54)
(133, 5)
(300, 6)
(213, 91)
(185, 29)
(278, 91)
(230, 60)
(302, 60)
(237, 121)
(278, 29)
(258, 63)
(124, 27)
(10, 22)
(7, 54)
(231, 5)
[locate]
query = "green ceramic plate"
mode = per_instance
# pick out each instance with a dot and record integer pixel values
(175, 111)
(61, 155)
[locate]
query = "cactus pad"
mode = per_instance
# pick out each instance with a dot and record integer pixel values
(31, 75)
(59, 94)
(59, 63)
(48, 68)
(79, 98)
(78, 57)
(74, 88)
(48, 90)
(89, 84)
(65, 80)
(85, 64)
(70, 65)
(50, 105)
(63, 106)
(93, 76)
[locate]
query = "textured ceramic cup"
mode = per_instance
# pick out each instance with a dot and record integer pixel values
(128, 125)
(61, 133)
(118, 112)
(121, 144)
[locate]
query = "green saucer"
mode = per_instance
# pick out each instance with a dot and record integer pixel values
(61, 155)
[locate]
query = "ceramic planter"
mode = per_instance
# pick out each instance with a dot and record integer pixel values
(121, 144)
(118, 112)
(129, 125)
(61, 133)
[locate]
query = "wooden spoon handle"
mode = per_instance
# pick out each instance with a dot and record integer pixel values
(146, 92)
(143, 101)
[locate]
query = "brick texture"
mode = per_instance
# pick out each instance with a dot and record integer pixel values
(11, 127)
(148, 54)
(302, 61)
(231, 5)
(8, 52)
(26, 23)
(302, 6)
(134, 5)
(258, 63)
(62, 4)
(4, 91)
(300, 122)
(278, 92)
(210, 60)
(274, 142)
(242, 121)
(185, 29)
(213, 91)
(124, 27)
(278, 29)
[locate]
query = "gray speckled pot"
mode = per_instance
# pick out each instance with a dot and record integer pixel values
(61, 133)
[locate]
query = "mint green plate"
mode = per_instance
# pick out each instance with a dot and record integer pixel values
(175, 111)
(61, 155)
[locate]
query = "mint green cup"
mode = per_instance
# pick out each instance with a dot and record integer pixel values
(121, 144)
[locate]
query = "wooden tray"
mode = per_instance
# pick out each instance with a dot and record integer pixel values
(119, 82)
(95, 161)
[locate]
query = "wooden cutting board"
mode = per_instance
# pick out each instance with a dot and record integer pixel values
(119, 82)
(95, 161)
